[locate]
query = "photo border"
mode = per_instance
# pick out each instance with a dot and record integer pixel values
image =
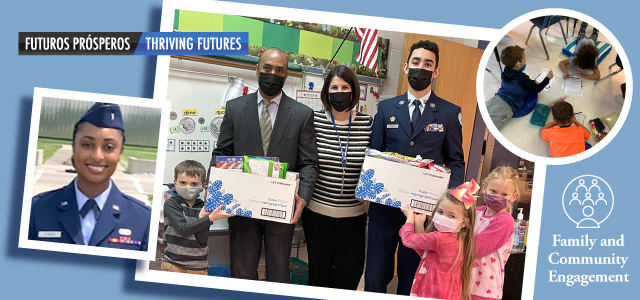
(523, 153)
(24, 241)
(404, 26)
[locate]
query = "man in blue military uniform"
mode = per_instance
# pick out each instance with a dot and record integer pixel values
(91, 210)
(415, 123)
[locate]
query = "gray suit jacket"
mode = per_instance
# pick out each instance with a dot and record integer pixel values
(293, 138)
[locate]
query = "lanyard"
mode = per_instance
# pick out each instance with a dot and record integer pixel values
(346, 148)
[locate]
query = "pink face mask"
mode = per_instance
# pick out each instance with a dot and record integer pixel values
(444, 224)
(495, 202)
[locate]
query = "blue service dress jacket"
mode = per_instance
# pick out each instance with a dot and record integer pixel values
(438, 136)
(123, 222)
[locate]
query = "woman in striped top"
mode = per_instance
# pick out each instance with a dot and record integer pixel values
(334, 221)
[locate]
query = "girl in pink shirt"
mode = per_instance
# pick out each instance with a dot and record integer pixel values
(493, 233)
(446, 246)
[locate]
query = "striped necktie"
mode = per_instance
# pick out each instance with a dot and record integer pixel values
(265, 125)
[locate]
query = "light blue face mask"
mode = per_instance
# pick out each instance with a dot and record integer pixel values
(522, 69)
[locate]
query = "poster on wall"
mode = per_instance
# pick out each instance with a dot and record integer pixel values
(363, 92)
(310, 99)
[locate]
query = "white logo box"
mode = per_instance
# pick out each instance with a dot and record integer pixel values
(395, 184)
(251, 196)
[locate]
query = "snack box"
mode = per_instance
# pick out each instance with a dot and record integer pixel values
(234, 162)
(395, 184)
(251, 196)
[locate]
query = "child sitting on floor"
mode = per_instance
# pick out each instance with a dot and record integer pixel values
(515, 85)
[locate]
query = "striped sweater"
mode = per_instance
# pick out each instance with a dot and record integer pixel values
(185, 234)
(326, 198)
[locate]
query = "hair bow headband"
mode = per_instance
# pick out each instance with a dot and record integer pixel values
(464, 193)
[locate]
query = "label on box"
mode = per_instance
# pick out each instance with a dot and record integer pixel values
(395, 184)
(251, 196)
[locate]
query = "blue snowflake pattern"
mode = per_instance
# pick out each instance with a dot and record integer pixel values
(392, 203)
(243, 213)
(217, 197)
(369, 189)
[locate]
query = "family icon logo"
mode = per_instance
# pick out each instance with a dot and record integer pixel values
(587, 201)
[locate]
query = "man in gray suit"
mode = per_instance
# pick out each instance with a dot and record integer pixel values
(268, 123)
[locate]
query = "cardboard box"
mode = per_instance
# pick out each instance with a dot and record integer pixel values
(251, 196)
(395, 184)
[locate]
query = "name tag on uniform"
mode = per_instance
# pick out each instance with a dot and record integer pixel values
(49, 234)
(392, 125)
(434, 128)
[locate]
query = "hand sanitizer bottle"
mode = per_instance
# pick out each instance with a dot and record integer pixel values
(516, 240)
(521, 231)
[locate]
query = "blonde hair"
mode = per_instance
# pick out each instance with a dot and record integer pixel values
(465, 238)
(509, 176)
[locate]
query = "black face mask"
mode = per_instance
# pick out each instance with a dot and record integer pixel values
(340, 101)
(419, 79)
(270, 84)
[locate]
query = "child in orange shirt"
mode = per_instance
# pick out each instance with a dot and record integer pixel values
(564, 138)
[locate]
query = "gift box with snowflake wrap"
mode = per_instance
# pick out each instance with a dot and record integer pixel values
(395, 184)
(251, 196)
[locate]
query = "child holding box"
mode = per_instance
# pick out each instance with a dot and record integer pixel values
(564, 138)
(515, 85)
(187, 223)
(446, 246)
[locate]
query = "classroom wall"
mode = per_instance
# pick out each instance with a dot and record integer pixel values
(476, 148)
(394, 61)
(204, 93)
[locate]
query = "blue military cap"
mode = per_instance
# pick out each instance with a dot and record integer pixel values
(104, 115)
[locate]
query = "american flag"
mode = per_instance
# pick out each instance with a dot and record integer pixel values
(368, 55)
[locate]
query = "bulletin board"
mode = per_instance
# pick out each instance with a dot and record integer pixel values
(308, 44)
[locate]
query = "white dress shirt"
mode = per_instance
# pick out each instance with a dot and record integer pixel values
(273, 108)
(423, 100)
(88, 223)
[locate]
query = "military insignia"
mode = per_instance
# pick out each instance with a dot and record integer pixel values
(126, 240)
(434, 128)
(392, 119)
(124, 231)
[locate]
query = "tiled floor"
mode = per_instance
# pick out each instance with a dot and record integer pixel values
(596, 100)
